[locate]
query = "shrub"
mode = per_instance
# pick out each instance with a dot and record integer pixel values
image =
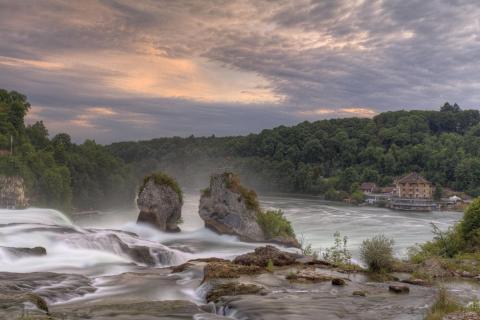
(307, 249)
(334, 195)
(338, 254)
(470, 225)
(377, 253)
(444, 305)
(269, 266)
(160, 178)
(358, 197)
(445, 244)
(274, 224)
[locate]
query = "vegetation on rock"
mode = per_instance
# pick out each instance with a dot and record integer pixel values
(162, 179)
(274, 224)
(338, 254)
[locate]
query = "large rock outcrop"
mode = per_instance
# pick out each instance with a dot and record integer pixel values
(229, 208)
(12, 193)
(160, 202)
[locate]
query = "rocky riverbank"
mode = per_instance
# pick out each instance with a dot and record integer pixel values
(264, 284)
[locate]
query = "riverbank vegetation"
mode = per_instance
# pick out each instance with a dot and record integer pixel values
(330, 157)
(458, 244)
(59, 173)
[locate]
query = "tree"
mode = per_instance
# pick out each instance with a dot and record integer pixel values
(437, 194)
(38, 135)
(447, 107)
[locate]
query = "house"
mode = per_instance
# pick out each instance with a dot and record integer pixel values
(368, 187)
(390, 190)
(413, 186)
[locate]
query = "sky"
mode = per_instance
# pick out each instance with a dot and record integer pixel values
(130, 70)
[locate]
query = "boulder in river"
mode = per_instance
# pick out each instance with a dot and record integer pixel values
(23, 252)
(160, 202)
(227, 207)
(262, 255)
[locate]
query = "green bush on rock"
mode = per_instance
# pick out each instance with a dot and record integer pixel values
(274, 224)
(160, 178)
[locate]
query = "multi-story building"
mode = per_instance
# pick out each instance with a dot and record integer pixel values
(413, 186)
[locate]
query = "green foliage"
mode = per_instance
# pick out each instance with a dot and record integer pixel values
(334, 195)
(328, 155)
(307, 249)
(358, 196)
(470, 224)
(338, 254)
(456, 241)
(160, 178)
(443, 306)
(269, 265)
(274, 224)
(377, 253)
(57, 172)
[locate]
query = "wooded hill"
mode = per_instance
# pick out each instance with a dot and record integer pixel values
(321, 157)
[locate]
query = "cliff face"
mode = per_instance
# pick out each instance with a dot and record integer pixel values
(12, 193)
(226, 211)
(160, 205)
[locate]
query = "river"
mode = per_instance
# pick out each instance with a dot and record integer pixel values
(107, 248)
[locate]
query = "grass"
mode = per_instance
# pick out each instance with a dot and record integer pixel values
(160, 178)
(443, 306)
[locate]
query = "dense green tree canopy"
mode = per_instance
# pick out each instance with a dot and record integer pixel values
(325, 155)
(59, 173)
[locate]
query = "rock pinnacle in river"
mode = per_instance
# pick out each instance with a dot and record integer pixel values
(160, 202)
(227, 207)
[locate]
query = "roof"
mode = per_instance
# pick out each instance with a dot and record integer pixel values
(388, 189)
(413, 177)
(368, 185)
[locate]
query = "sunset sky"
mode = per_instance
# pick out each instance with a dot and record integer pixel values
(128, 70)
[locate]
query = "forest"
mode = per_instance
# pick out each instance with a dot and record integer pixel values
(58, 173)
(327, 157)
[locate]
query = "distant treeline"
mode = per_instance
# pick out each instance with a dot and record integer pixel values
(324, 157)
(57, 172)
(328, 155)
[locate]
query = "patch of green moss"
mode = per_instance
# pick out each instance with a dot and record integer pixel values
(160, 178)
(274, 224)
(232, 182)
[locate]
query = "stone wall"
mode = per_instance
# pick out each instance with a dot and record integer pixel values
(12, 192)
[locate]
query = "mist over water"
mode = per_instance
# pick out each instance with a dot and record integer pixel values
(104, 247)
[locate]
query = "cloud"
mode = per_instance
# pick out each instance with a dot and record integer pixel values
(119, 69)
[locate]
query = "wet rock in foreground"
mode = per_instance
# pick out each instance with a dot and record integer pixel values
(262, 255)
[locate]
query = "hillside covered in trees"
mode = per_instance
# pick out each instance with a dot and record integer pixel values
(321, 157)
(327, 155)
(57, 172)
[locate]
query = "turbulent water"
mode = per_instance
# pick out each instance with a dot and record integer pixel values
(114, 257)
